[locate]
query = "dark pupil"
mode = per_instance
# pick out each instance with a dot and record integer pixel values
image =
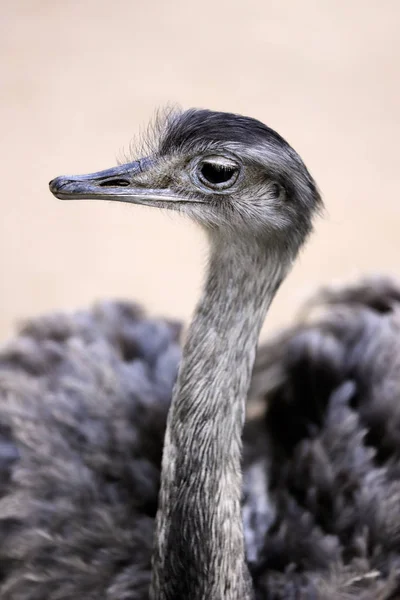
(217, 173)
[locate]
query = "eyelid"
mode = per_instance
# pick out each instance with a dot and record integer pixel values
(219, 161)
(218, 167)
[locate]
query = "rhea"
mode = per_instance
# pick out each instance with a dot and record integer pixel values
(255, 199)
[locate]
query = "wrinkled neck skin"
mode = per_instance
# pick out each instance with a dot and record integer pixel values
(199, 545)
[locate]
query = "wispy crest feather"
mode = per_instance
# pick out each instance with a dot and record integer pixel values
(147, 142)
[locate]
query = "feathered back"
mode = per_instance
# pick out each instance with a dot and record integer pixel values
(332, 386)
(83, 403)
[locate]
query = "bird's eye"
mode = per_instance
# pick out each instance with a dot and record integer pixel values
(217, 175)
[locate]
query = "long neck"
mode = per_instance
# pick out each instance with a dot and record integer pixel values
(199, 547)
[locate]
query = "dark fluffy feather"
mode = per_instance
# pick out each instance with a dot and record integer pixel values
(82, 415)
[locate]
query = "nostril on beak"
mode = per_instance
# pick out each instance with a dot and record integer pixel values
(116, 182)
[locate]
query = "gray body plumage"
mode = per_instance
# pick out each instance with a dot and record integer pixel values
(84, 400)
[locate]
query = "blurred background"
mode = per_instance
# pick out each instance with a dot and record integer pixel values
(80, 78)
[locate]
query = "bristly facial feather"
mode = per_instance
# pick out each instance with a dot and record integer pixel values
(274, 195)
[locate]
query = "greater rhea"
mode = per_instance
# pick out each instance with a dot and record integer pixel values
(84, 401)
(255, 199)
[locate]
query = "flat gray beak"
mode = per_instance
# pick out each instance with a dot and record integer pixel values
(117, 183)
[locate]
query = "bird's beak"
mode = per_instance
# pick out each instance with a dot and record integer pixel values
(117, 183)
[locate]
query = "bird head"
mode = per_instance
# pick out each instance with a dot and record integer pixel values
(232, 174)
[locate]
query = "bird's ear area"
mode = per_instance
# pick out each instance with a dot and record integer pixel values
(122, 183)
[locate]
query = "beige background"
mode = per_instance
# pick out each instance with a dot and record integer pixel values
(78, 78)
